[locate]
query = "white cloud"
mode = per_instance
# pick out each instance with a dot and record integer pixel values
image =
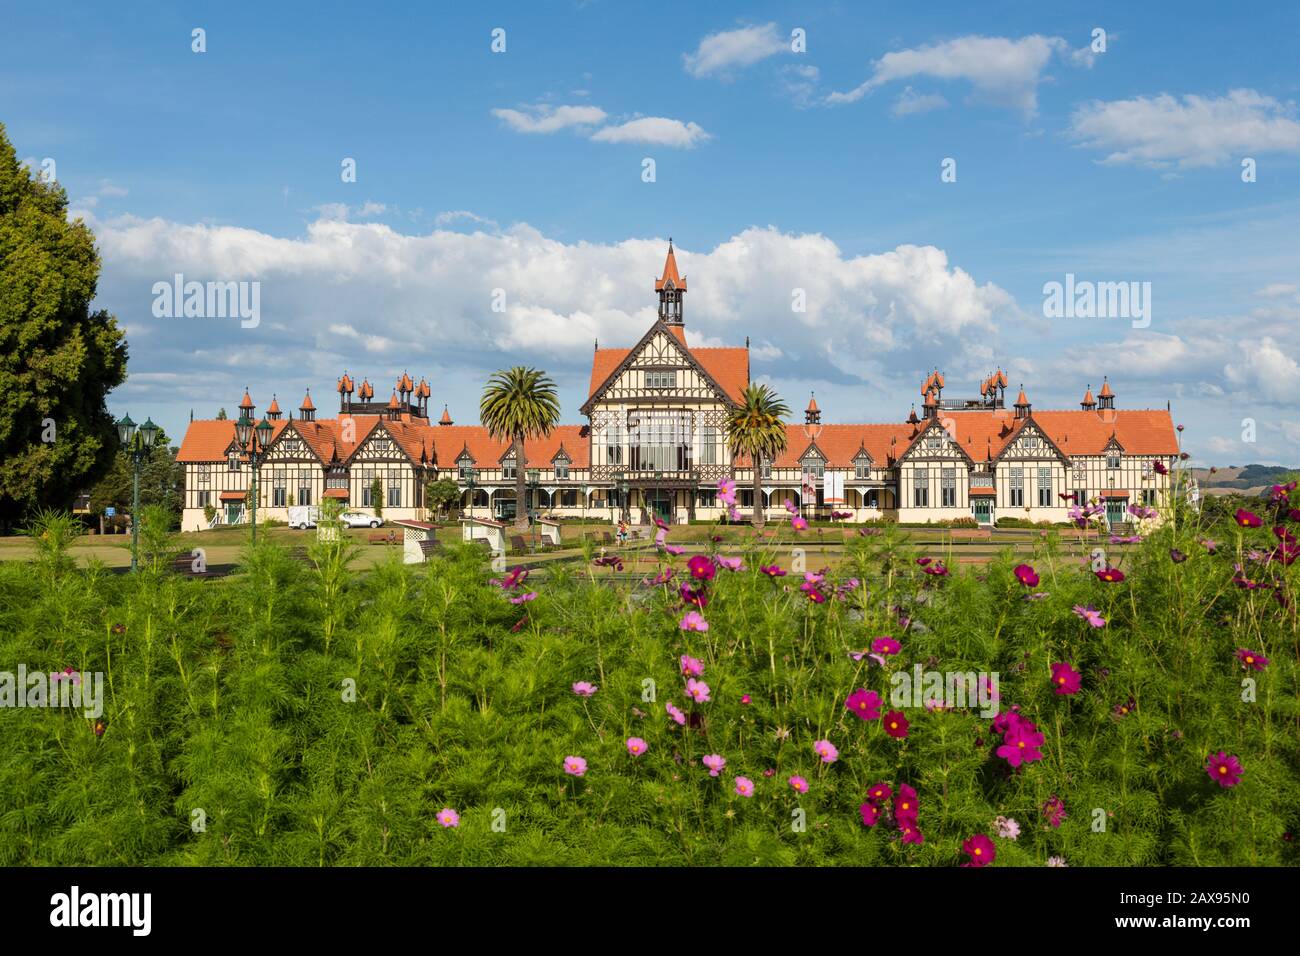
(1264, 370)
(370, 208)
(656, 130)
(910, 101)
(109, 188)
(542, 118)
(1277, 289)
(720, 53)
(1163, 131)
(1002, 71)
(799, 83)
(452, 216)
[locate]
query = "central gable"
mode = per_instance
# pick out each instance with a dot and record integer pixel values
(661, 366)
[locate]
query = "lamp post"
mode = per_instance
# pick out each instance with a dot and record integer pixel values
(624, 504)
(534, 481)
(470, 476)
(255, 438)
(138, 443)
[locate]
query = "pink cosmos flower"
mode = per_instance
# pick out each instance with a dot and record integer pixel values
(1065, 679)
(523, 598)
(746, 699)
(910, 833)
(798, 523)
(1020, 744)
(814, 595)
(864, 703)
(1090, 614)
(870, 814)
(715, 763)
(1056, 861)
(575, 766)
(583, 689)
(826, 750)
(693, 621)
(449, 818)
(799, 784)
(1247, 519)
(691, 666)
(1159, 467)
(938, 569)
(675, 714)
(906, 807)
(674, 549)
(1224, 769)
(636, 746)
(698, 691)
(772, 570)
(731, 564)
(1110, 575)
(701, 567)
(1251, 659)
(980, 849)
(886, 645)
(791, 507)
(1026, 575)
(1007, 828)
(744, 787)
(697, 597)
(879, 792)
(895, 724)
(1054, 811)
(727, 492)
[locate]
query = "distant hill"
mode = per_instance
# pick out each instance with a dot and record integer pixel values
(1246, 479)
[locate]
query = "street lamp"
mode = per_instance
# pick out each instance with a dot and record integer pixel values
(138, 444)
(470, 476)
(623, 499)
(255, 438)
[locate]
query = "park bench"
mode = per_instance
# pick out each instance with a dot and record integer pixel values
(384, 537)
(517, 543)
(432, 548)
(184, 564)
(606, 538)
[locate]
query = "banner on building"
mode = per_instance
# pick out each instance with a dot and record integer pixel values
(833, 488)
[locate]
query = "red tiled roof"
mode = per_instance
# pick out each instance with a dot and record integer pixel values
(1113, 493)
(981, 490)
(231, 496)
(670, 272)
(337, 493)
(446, 417)
(1105, 390)
(728, 366)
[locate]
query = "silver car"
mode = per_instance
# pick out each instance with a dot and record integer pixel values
(359, 519)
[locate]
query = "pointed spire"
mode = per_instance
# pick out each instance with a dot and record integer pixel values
(446, 417)
(670, 287)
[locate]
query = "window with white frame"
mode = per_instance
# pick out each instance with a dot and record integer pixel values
(278, 498)
(394, 494)
(948, 487)
(561, 469)
(1044, 487)
(232, 461)
(814, 466)
(921, 488)
(862, 467)
(1112, 460)
(304, 493)
(709, 445)
(463, 467)
(661, 378)
(1017, 487)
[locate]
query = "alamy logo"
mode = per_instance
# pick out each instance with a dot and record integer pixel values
(945, 690)
(208, 300)
(1098, 300)
(55, 689)
(103, 909)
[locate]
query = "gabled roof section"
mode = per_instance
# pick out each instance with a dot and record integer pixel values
(726, 369)
(1022, 425)
(967, 449)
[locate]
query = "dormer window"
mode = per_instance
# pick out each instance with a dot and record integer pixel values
(233, 461)
(661, 378)
(862, 467)
(1112, 459)
(508, 469)
(814, 466)
(765, 470)
(463, 467)
(561, 468)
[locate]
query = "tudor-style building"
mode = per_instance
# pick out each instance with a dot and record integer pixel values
(655, 444)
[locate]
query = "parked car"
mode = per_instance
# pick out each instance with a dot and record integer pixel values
(359, 519)
(303, 516)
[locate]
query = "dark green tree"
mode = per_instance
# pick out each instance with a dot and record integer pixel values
(58, 359)
(442, 494)
(162, 481)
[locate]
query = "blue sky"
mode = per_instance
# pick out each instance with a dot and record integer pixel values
(775, 170)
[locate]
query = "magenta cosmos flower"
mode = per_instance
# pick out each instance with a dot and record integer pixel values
(870, 814)
(636, 746)
(980, 849)
(791, 507)
(895, 724)
(692, 666)
(731, 564)
(701, 568)
(910, 833)
(905, 806)
(826, 750)
(798, 523)
(1251, 659)
(675, 714)
(448, 817)
(575, 766)
(1224, 769)
(799, 784)
(746, 699)
(879, 793)
(698, 691)
(697, 597)
(727, 492)
(744, 787)
(1090, 614)
(772, 570)
(1026, 575)
(1021, 743)
(693, 621)
(886, 645)
(1247, 519)
(715, 763)
(1110, 575)
(864, 703)
(584, 689)
(1065, 679)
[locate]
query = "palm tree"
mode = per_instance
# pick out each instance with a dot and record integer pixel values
(519, 403)
(756, 428)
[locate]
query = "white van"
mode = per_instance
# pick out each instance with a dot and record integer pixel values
(303, 516)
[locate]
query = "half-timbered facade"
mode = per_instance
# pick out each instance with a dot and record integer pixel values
(655, 445)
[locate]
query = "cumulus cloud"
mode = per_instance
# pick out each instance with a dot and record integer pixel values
(1001, 71)
(1190, 131)
(729, 50)
(910, 101)
(1263, 369)
(543, 119)
(655, 130)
